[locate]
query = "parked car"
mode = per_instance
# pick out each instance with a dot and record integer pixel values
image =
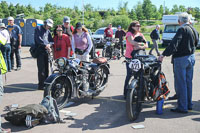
(98, 36)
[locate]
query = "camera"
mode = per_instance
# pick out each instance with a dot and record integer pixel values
(58, 49)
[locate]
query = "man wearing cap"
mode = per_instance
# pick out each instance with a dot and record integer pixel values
(43, 40)
(67, 28)
(108, 32)
(155, 37)
(120, 34)
(16, 41)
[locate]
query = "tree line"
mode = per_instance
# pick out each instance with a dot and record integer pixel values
(96, 17)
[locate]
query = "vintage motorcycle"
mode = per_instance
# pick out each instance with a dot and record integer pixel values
(76, 79)
(147, 83)
(111, 49)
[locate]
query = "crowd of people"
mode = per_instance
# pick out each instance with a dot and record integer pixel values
(68, 41)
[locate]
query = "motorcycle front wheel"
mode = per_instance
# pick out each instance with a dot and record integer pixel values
(133, 103)
(60, 90)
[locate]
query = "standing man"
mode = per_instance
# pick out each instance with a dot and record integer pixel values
(43, 40)
(120, 34)
(108, 32)
(67, 28)
(16, 41)
(155, 36)
(182, 49)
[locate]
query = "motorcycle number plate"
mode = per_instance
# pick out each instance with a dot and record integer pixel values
(135, 65)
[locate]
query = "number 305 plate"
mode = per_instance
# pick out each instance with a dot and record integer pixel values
(135, 65)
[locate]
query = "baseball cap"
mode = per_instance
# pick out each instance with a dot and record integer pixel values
(119, 26)
(78, 25)
(2, 25)
(49, 22)
(66, 19)
(10, 18)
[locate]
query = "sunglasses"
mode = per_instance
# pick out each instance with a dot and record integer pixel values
(58, 30)
(137, 25)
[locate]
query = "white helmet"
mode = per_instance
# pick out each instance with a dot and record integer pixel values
(49, 22)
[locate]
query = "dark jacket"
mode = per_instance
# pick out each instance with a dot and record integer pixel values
(184, 42)
(42, 37)
(120, 34)
(155, 34)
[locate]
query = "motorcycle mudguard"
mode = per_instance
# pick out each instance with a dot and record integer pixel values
(133, 84)
(53, 77)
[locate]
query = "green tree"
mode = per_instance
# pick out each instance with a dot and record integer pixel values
(122, 20)
(132, 15)
(139, 11)
(175, 9)
(12, 10)
(147, 9)
(182, 8)
(5, 10)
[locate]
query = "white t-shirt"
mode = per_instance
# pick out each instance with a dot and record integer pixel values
(6, 34)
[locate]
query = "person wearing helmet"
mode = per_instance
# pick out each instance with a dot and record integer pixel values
(43, 41)
(16, 40)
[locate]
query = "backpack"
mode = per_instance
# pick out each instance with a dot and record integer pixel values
(18, 116)
(53, 113)
(34, 51)
(161, 90)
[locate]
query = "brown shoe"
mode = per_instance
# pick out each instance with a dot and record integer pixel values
(8, 130)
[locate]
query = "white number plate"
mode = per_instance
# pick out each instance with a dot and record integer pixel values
(135, 65)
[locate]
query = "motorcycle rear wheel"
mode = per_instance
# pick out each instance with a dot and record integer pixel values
(61, 94)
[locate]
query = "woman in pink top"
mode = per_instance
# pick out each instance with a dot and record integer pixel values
(81, 42)
(133, 31)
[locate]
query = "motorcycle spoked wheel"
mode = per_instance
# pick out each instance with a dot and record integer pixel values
(60, 91)
(100, 79)
(116, 53)
(133, 103)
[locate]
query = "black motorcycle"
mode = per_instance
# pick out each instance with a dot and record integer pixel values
(147, 83)
(110, 49)
(76, 79)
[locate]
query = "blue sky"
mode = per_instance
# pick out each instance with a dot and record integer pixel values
(103, 4)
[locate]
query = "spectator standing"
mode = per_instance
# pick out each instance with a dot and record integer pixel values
(182, 48)
(2, 70)
(67, 28)
(62, 44)
(155, 36)
(43, 40)
(120, 34)
(16, 41)
(6, 49)
(133, 32)
(108, 32)
(81, 42)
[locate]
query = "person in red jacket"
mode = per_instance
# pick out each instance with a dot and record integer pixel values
(62, 44)
(108, 32)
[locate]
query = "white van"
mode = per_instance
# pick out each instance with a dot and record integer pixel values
(170, 27)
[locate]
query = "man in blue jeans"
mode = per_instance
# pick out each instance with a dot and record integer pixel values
(182, 49)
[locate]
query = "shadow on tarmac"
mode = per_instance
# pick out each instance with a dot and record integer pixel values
(111, 114)
(20, 87)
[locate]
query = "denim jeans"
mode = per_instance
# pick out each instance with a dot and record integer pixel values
(1, 94)
(183, 71)
(128, 76)
(15, 51)
(6, 51)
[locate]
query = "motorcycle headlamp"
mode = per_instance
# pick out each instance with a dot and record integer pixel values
(62, 62)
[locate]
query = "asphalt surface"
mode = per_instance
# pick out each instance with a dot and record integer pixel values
(106, 113)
